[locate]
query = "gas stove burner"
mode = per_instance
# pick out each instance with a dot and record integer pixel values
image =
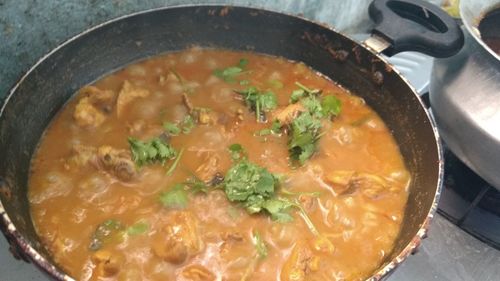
(470, 202)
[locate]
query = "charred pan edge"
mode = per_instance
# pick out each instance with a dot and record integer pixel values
(411, 248)
(17, 240)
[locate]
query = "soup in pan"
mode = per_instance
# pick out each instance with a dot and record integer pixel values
(217, 165)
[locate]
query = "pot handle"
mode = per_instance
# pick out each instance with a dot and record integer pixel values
(413, 25)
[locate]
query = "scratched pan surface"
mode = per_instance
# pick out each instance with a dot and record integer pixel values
(38, 96)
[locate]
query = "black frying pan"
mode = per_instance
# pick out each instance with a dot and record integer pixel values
(406, 25)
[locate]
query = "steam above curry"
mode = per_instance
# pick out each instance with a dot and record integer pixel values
(217, 165)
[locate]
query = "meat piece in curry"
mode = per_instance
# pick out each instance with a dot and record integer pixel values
(217, 165)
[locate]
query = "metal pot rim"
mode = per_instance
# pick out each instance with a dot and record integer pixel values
(17, 239)
(472, 15)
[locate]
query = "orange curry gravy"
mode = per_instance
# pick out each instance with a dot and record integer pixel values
(78, 182)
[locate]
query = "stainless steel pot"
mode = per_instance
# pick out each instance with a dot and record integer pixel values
(465, 95)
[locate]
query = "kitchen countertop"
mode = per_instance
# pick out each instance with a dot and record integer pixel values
(30, 28)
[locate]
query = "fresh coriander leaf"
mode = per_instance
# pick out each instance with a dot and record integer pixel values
(297, 95)
(244, 82)
(264, 132)
(243, 63)
(154, 150)
(313, 105)
(259, 101)
(306, 152)
(138, 228)
(331, 106)
(308, 90)
(309, 99)
(254, 203)
(279, 209)
(276, 127)
(196, 185)
(268, 101)
(105, 232)
(305, 130)
(260, 245)
(237, 151)
(175, 163)
(229, 74)
(245, 179)
(171, 128)
(282, 217)
(175, 198)
(187, 124)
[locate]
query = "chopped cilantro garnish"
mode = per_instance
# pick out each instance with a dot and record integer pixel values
(176, 162)
(331, 106)
(237, 151)
(279, 209)
(171, 128)
(297, 95)
(196, 185)
(305, 132)
(313, 105)
(260, 245)
(254, 187)
(148, 152)
(259, 101)
(229, 74)
(307, 90)
(187, 124)
(105, 232)
(274, 130)
(175, 198)
(305, 129)
(138, 228)
(243, 63)
(245, 180)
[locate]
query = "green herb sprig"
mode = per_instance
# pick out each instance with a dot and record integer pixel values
(305, 130)
(152, 151)
(229, 74)
(259, 101)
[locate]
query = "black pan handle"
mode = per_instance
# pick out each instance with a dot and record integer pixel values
(415, 25)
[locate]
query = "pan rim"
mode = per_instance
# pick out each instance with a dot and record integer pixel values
(383, 270)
